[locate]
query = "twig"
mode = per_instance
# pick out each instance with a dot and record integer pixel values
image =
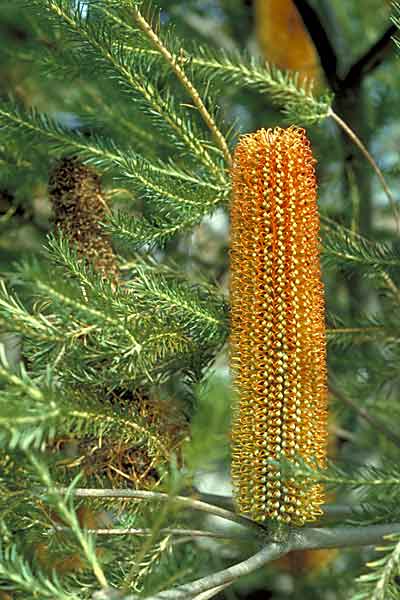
(301, 539)
(216, 499)
(342, 434)
(391, 285)
(370, 60)
(361, 330)
(190, 533)
(331, 511)
(364, 414)
(352, 135)
(213, 592)
(315, 538)
(187, 84)
(221, 578)
(179, 500)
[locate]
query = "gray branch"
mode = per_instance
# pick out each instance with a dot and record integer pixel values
(143, 532)
(221, 578)
(164, 497)
(300, 539)
(306, 538)
(315, 538)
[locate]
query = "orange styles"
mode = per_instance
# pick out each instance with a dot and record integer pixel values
(278, 354)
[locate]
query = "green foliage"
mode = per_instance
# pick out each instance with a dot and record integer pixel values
(299, 103)
(381, 584)
(349, 250)
(18, 572)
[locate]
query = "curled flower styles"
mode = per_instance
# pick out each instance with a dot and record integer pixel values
(278, 353)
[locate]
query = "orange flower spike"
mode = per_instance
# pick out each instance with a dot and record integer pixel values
(284, 40)
(278, 353)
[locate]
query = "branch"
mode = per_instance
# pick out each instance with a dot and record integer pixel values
(178, 500)
(330, 511)
(376, 423)
(353, 136)
(342, 537)
(322, 43)
(221, 578)
(370, 60)
(338, 512)
(189, 533)
(305, 539)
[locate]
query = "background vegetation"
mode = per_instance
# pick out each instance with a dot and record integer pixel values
(120, 377)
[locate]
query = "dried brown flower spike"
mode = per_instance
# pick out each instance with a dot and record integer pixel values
(79, 207)
(278, 351)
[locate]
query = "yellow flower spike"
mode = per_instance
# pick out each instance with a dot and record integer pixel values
(278, 354)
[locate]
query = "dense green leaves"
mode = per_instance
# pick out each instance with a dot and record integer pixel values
(283, 89)
(350, 250)
(16, 572)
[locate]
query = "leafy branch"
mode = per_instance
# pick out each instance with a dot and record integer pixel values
(98, 40)
(380, 583)
(16, 570)
(97, 151)
(68, 514)
(187, 84)
(345, 248)
(283, 88)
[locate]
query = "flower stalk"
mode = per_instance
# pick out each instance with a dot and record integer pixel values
(278, 353)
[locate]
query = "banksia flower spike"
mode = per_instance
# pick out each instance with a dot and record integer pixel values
(79, 207)
(278, 354)
(284, 40)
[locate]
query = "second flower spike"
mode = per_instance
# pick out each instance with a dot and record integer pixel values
(278, 351)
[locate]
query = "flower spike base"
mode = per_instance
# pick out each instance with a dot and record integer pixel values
(278, 354)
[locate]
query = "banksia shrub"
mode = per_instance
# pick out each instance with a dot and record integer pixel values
(278, 351)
